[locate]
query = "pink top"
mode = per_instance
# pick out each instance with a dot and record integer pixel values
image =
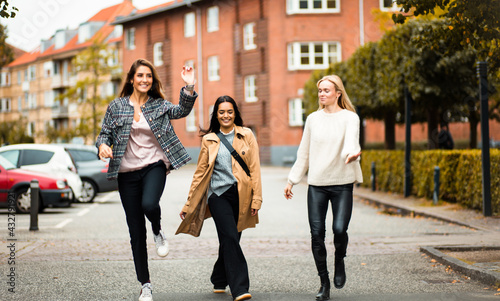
(142, 148)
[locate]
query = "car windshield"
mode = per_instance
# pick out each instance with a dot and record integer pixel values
(6, 163)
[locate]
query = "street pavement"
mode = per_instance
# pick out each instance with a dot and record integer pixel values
(83, 252)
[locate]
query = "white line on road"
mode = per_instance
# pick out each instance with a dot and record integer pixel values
(86, 210)
(63, 223)
(106, 197)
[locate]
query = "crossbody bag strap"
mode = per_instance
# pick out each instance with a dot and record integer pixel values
(234, 153)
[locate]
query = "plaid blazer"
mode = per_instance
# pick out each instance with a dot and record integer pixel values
(118, 120)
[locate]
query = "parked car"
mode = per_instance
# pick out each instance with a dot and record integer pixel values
(54, 192)
(92, 171)
(46, 158)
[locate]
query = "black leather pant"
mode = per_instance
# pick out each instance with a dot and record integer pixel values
(341, 199)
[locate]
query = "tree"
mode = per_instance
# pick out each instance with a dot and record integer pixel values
(14, 132)
(6, 11)
(467, 25)
(93, 65)
(6, 53)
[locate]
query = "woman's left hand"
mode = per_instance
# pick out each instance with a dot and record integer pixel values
(254, 212)
(352, 158)
(187, 75)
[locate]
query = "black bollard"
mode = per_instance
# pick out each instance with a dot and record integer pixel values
(35, 188)
(435, 195)
(373, 177)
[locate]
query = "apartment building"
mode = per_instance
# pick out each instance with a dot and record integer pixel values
(32, 84)
(260, 52)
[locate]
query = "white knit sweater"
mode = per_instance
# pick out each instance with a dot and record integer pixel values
(327, 141)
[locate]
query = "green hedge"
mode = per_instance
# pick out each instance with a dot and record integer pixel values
(460, 174)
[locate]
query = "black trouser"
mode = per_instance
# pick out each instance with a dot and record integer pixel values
(140, 192)
(340, 197)
(231, 267)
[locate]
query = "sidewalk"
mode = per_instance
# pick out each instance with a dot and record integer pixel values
(479, 262)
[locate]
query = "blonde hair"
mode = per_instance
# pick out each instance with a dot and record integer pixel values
(343, 101)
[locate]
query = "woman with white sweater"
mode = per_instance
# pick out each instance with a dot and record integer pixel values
(330, 151)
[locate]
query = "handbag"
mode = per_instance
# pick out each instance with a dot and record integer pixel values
(234, 153)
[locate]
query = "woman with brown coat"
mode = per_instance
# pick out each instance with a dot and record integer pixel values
(233, 196)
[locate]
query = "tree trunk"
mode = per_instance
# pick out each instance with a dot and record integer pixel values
(432, 128)
(390, 130)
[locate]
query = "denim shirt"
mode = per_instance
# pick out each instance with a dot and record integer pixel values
(118, 119)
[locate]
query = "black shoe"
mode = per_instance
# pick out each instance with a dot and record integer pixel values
(324, 290)
(339, 277)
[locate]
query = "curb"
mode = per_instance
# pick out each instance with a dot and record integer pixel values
(408, 211)
(487, 277)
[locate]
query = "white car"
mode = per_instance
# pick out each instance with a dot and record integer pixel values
(51, 159)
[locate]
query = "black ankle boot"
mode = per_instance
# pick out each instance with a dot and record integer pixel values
(339, 277)
(324, 290)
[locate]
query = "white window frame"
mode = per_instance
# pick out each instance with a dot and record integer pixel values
(158, 54)
(212, 19)
(31, 72)
(130, 38)
(48, 69)
(393, 8)
(191, 121)
(48, 99)
(295, 112)
(5, 105)
(293, 7)
(213, 68)
(189, 63)
(189, 25)
(5, 79)
(250, 86)
(295, 55)
(249, 36)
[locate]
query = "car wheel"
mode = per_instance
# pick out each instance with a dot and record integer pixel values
(89, 191)
(23, 200)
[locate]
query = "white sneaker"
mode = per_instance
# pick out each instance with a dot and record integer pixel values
(161, 244)
(146, 292)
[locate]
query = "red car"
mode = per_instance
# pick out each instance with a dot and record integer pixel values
(15, 183)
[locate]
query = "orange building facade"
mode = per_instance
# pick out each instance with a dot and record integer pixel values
(260, 52)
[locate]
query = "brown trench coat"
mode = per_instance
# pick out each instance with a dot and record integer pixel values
(249, 188)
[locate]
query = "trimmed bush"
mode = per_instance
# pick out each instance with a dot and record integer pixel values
(460, 174)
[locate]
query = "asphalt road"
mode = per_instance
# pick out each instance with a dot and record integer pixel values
(83, 253)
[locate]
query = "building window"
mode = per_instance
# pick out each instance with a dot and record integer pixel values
(5, 105)
(189, 63)
(158, 54)
(213, 19)
(295, 112)
(5, 79)
(313, 55)
(249, 36)
(32, 101)
(191, 122)
(312, 6)
(32, 72)
(30, 130)
(388, 5)
(189, 25)
(48, 69)
(19, 103)
(130, 38)
(250, 88)
(213, 68)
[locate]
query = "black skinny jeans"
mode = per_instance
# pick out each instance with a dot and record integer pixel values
(341, 199)
(231, 266)
(140, 192)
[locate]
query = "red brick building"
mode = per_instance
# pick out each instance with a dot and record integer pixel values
(260, 52)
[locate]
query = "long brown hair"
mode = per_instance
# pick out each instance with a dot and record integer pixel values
(214, 122)
(156, 90)
(343, 101)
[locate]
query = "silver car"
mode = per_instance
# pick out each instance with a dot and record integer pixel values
(91, 170)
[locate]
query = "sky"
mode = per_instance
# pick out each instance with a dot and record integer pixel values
(39, 19)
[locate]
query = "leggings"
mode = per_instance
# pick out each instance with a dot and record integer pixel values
(318, 197)
(140, 192)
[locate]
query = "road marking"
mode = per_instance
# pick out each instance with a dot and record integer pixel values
(63, 223)
(106, 198)
(86, 210)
